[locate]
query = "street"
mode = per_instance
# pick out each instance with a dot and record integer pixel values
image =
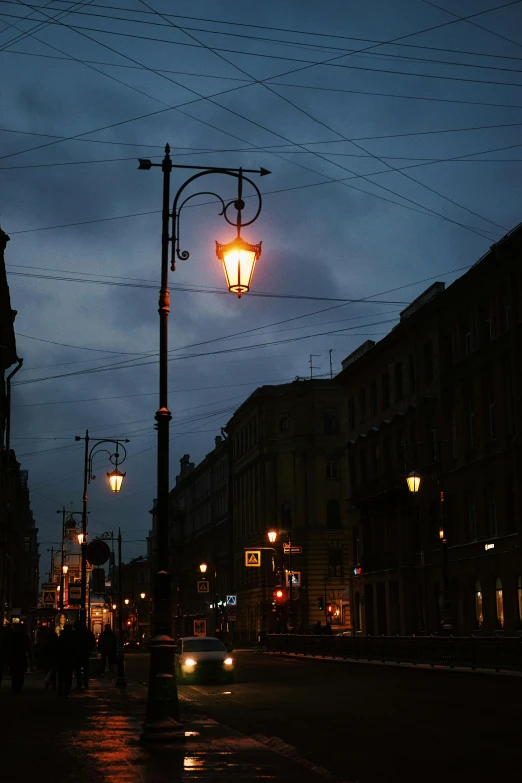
(369, 723)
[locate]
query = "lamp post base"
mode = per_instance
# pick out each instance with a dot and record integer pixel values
(162, 725)
(121, 681)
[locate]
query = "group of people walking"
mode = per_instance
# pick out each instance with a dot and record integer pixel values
(61, 653)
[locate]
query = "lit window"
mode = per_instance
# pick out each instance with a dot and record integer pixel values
(500, 603)
(479, 615)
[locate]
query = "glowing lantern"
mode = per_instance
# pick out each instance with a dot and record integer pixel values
(413, 481)
(238, 259)
(272, 536)
(116, 480)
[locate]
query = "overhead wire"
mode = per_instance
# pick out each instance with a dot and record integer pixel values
(264, 82)
(269, 87)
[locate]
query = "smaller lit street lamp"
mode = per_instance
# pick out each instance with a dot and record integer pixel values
(273, 535)
(414, 481)
(203, 567)
(115, 479)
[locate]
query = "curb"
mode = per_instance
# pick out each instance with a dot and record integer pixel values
(395, 664)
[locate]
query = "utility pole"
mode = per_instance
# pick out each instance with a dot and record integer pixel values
(312, 356)
(331, 371)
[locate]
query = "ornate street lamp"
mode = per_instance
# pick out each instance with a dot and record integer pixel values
(65, 568)
(142, 596)
(162, 722)
(272, 536)
(81, 538)
(203, 568)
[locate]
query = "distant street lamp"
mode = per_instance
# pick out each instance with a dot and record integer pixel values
(65, 568)
(272, 536)
(142, 596)
(115, 482)
(127, 602)
(238, 258)
(203, 568)
(81, 538)
(414, 481)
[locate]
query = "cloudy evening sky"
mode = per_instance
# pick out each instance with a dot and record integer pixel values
(392, 131)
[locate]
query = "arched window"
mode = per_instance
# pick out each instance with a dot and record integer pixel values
(520, 599)
(479, 615)
(333, 515)
(500, 603)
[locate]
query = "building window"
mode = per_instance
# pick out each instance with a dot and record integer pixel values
(472, 516)
(471, 424)
(411, 373)
(492, 430)
(351, 413)
(333, 515)
(331, 467)
(335, 562)
(353, 472)
(330, 421)
(286, 513)
(499, 599)
(357, 548)
(399, 392)
(362, 404)
(401, 452)
(284, 422)
(373, 398)
(376, 459)
(428, 361)
(520, 599)
(386, 390)
(454, 445)
(491, 512)
(479, 614)
(364, 472)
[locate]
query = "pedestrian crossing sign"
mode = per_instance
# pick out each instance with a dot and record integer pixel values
(49, 597)
(252, 558)
(203, 587)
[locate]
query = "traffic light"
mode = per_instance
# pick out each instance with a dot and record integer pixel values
(330, 610)
(279, 596)
(320, 603)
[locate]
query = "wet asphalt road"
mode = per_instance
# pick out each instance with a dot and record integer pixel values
(370, 723)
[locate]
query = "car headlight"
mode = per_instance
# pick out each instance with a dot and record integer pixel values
(190, 662)
(228, 661)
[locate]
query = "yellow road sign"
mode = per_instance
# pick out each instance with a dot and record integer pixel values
(203, 587)
(252, 558)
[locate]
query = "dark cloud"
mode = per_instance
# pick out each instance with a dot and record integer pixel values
(330, 240)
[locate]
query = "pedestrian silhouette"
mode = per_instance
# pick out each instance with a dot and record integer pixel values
(65, 657)
(108, 647)
(18, 656)
(85, 644)
(327, 631)
(318, 628)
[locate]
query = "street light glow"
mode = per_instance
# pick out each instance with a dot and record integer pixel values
(65, 568)
(127, 602)
(116, 480)
(142, 596)
(272, 536)
(81, 538)
(238, 259)
(413, 481)
(203, 568)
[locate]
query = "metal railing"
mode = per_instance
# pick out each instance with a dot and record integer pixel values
(491, 652)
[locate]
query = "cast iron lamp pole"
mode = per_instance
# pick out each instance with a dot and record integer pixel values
(414, 481)
(162, 722)
(115, 481)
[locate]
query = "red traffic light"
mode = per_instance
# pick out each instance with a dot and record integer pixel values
(279, 596)
(330, 609)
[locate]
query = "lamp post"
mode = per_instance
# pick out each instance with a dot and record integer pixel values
(115, 482)
(238, 258)
(414, 481)
(203, 567)
(272, 537)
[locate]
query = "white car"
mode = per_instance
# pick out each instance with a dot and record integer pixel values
(202, 657)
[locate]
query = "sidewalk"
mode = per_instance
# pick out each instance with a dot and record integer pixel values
(94, 736)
